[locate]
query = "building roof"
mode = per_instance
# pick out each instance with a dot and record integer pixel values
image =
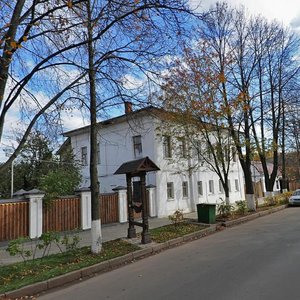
(149, 110)
(134, 167)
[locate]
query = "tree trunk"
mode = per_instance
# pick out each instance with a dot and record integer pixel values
(96, 222)
(250, 197)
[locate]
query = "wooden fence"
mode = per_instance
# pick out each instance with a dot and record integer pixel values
(62, 215)
(14, 220)
(109, 208)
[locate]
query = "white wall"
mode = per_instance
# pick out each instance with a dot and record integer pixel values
(117, 148)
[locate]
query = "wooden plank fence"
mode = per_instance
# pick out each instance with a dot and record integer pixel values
(14, 220)
(109, 208)
(62, 215)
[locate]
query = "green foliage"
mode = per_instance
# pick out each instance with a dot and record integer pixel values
(241, 207)
(44, 242)
(16, 247)
(177, 217)
(224, 209)
(59, 182)
(71, 243)
(36, 167)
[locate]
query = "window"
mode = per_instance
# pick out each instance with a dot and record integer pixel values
(233, 154)
(98, 153)
(170, 190)
(211, 187)
(167, 146)
(221, 189)
(137, 146)
(84, 156)
(229, 185)
(200, 188)
(236, 183)
(209, 150)
(185, 192)
(182, 147)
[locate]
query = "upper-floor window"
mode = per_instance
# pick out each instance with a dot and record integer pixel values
(236, 183)
(182, 147)
(84, 156)
(137, 146)
(98, 153)
(185, 192)
(233, 154)
(167, 151)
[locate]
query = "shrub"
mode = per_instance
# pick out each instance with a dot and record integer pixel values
(241, 207)
(224, 209)
(16, 247)
(177, 217)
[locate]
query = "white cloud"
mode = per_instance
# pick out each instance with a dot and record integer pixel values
(283, 11)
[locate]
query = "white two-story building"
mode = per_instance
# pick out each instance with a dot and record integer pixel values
(137, 134)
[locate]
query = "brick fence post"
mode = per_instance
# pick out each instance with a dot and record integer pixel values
(122, 201)
(85, 208)
(35, 212)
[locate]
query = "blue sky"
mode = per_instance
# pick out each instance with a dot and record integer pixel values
(287, 12)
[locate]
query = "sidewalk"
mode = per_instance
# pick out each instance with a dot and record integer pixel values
(109, 232)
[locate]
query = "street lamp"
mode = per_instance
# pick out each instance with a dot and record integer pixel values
(8, 153)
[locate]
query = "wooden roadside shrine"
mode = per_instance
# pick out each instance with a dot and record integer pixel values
(138, 168)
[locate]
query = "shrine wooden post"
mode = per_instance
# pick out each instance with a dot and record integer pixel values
(138, 168)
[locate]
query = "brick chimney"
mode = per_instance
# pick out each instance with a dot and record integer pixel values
(128, 107)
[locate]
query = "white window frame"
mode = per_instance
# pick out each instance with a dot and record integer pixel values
(229, 185)
(185, 189)
(137, 146)
(84, 158)
(182, 147)
(98, 154)
(233, 150)
(211, 187)
(237, 185)
(221, 189)
(167, 149)
(170, 190)
(200, 188)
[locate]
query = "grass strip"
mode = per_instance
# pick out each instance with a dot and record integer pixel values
(168, 232)
(20, 274)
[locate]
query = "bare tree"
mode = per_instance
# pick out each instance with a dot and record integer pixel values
(195, 113)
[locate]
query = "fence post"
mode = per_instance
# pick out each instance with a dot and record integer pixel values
(152, 200)
(85, 208)
(122, 201)
(35, 212)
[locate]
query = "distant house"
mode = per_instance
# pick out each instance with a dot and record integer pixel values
(134, 135)
(258, 178)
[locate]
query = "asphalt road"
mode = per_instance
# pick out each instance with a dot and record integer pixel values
(257, 260)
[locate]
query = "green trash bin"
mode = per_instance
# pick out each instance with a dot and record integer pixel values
(206, 213)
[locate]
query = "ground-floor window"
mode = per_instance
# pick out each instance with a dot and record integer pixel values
(200, 188)
(185, 192)
(170, 190)
(211, 188)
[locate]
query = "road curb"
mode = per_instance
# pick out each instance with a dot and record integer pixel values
(253, 216)
(108, 265)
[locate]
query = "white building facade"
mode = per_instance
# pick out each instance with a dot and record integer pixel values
(136, 135)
